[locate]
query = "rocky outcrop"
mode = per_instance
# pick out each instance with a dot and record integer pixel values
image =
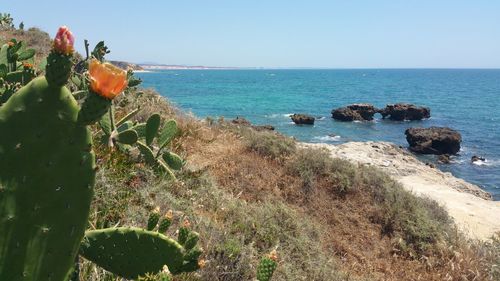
(355, 112)
(126, 65)
(263, 128)
(476, 158)
(302, 119)
(405, 111)
(433, 140)
(241, 121)
(444, 159)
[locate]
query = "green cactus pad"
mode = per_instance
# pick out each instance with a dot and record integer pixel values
(127, 137)
(152, 126)
(168, 133)
(132, 252)
(147, 153)
(47, 175)
(125, 126)
(127, 117)
(173, 160)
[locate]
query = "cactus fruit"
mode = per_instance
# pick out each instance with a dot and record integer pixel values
(267, 266)
(44, 201)
(153, 219)
(165, 222)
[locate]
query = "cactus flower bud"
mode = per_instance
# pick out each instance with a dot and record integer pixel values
(169, 215)
(273, 255)
(64, 41)
(11, 44)
(186, 223)
(106, 79)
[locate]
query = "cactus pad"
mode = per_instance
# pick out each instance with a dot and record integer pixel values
(132, 252)
(46, 183)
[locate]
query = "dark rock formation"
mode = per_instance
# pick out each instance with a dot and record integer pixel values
(240, 121)
(263, 128)
(476, 158)
(355, 112)
(444, 159)
(300, 119)
(405, 111)
(433, 140)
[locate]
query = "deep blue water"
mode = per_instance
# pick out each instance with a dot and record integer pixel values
(466, 100)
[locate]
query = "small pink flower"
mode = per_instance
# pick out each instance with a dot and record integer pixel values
(64, 41)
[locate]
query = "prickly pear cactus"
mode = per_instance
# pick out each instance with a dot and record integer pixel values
(132, 252)
(46, 180)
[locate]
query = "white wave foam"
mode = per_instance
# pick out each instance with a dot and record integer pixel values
(327, 138)
(278, 115)
(486, 162)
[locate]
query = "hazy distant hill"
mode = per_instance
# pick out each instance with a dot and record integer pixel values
(153, 66)
(127, 65)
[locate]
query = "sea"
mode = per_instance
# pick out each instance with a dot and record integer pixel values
(467, 100)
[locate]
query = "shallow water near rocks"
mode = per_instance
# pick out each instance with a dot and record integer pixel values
(465, 100)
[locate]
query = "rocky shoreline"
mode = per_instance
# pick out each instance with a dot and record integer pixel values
(471, 207)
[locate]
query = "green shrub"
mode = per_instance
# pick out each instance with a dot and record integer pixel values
(269, 144)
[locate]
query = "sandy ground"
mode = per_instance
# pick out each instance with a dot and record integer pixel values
(471, 207)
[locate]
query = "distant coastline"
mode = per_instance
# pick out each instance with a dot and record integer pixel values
(178, 67)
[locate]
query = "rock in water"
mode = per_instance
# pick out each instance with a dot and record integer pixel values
(444, 159)
(476, 158)
(300, 119)
(405, 111)
(433, 140)
(355, 112)
(241, 121)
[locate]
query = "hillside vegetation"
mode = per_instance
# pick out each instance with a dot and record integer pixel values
(248, 192)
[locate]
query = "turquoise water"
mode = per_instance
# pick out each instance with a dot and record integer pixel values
(466, 100)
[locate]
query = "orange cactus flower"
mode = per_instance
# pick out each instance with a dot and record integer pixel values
(27, 65)
(64, 41)
(11, 44)
(106, 79)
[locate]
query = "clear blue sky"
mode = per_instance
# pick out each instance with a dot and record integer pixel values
(276, 33)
